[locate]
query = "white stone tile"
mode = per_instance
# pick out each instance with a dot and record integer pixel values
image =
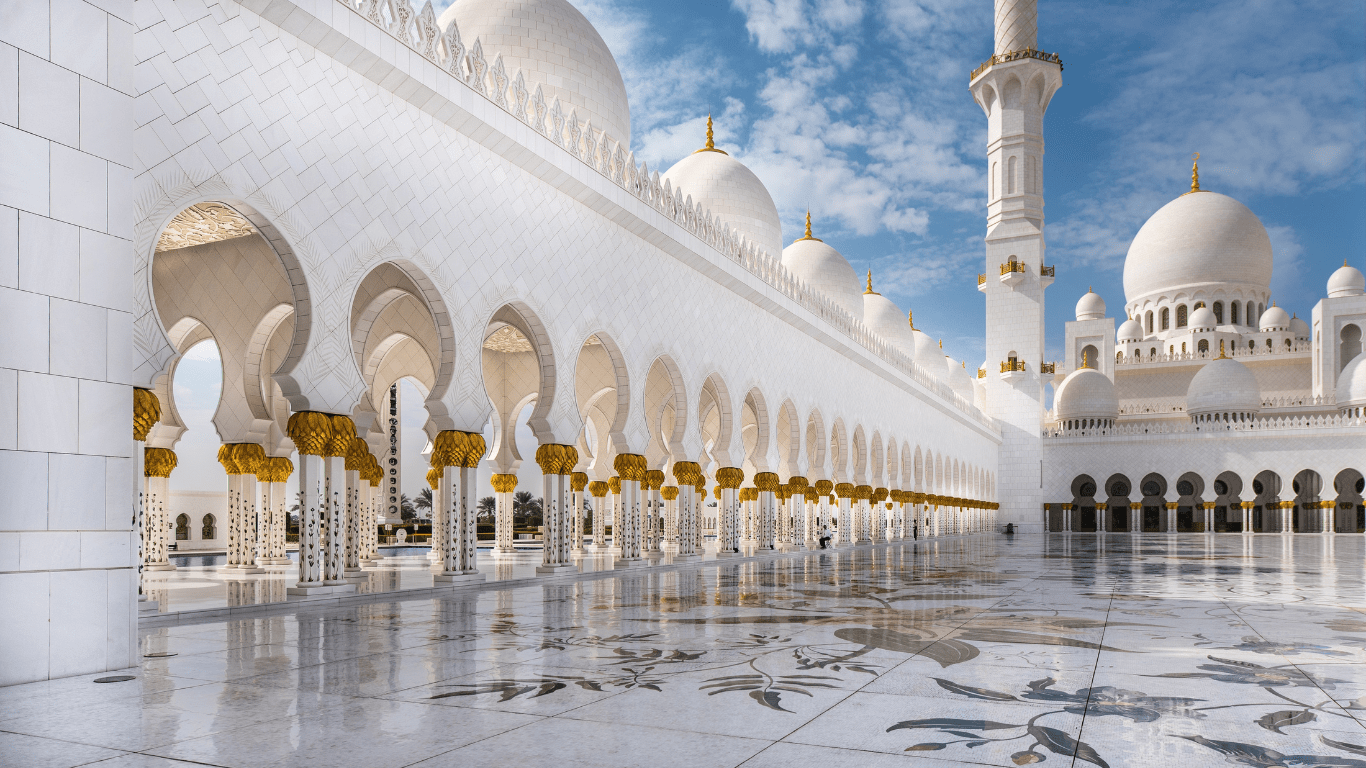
(49, 550)
(121, 604)
(24, 632)
(48, 413)
(24, 507)
(121, 56)
(49, 255)
(80, 630)
(106, 123)
(118, 494)
(34, 752)
(24, 316)
(49, 100)
(9, 409)
(78, 335)
(107, 549)
(106, 418)
(79, 188)
(9, 551)
(75, 492)
(24, 184)
(9, 85)
(120, 350)
(26, 26)
(106, 270)
(9, 247)
(83, 45)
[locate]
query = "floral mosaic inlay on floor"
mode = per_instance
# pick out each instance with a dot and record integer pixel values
(1059, 650)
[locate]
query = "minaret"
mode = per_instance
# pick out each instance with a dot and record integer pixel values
(1014, 87)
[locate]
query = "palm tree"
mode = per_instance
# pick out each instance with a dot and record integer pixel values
(406, 510)
(423, 502)
(488, 506)
(527, 507)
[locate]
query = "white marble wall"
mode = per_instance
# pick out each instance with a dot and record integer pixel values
(67, 576)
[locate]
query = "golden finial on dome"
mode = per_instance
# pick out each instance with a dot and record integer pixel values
(1222, 355)
(869, 289)
(910, 319)
(808, 235)
(711, 144)
(1195, 173)
(941, 345)
(1085, 359)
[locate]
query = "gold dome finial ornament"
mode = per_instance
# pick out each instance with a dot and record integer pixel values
(1085, 359)
(869, 289)
(808, 235)
(711, 143)
(1222, 355)
(1195, 173)
(910, 319)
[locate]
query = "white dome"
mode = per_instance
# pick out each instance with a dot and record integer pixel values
(1346, 281)
(1351, 389)
(731, 191)
(960, 380)
(1198, 239)
(556, 48)
(929, 355)
(825, 270)
(1299, 328)
(1091, 307)
(885, 318)
(1274, 319)
(1130, 330)
(1202, 317)
(1086, 393)
(1224, 385)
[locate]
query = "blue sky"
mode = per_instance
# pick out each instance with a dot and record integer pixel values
(860, 109)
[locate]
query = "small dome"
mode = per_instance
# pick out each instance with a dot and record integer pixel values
(1299, 328)
(1198, 239)
(730, 190)
(1086, 393)
(1130, 330)
(929, 355)
(826, 271)
(960, 379)
(885, 318)
(1274, 319)
(1091, 307)
(556, 48)
(1346, 281)
(1351, 391)
(1223, 385)
(1202, 318)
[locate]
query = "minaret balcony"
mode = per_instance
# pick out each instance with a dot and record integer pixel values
(1047, 274)
(1013, 369)
(1013, 273)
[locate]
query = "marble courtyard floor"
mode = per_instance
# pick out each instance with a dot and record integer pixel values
(1056, 650)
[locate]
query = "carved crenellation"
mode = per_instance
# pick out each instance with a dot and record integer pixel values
(420, 32)
(1259, 424)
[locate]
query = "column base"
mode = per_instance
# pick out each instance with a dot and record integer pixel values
(458, 579)
(158, 567)
(632, 562)
(319, 588)
(556, 570)
(277, 561)
(504, 551)
(240, 570)
(686, 558)
(148, 608)
(728, 554)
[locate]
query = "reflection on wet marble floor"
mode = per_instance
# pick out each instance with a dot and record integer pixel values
(1061, 650)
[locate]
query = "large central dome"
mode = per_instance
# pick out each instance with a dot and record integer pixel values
(557, 49)
(1198, 240)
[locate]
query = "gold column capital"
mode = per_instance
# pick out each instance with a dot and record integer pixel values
(146, 412)
(669, 492)
(729, 477)
(597, 489)
(766, 481)
(158, 462)
(310, 431)
(506, 483)
(555, 459)
(578, 481)
(630, 466)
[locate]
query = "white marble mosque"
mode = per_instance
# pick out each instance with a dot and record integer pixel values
(738, 562)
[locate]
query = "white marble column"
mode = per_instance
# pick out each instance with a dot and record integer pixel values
(459, 453)
(436, 556)
(599, 489)
(728, 511)
(504, 486)
(670, 543)
(311, 433)
(626, 532)
(766, 502)
(157, 466)
(652, 506)
(577, 483)
(557, 464)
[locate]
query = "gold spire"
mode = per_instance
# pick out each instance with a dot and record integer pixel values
(808, 235)
(711, 145)
(1195, 173)
(941, 345)
(869, 289)
(910, 319)
(1222, 356)
(1085, 359)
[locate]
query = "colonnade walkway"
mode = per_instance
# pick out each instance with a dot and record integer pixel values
(1110, 650)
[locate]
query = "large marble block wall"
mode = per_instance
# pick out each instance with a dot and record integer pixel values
(68, 582)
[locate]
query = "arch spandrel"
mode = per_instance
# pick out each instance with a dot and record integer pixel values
(817, 447)
(716, 410)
